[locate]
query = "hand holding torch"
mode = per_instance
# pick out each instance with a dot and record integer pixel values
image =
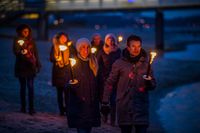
(72, 63)
(21, 43)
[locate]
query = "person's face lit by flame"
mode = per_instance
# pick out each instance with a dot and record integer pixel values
(110, 42)
(63, 39)
(134, 48)
(84, 50)
(25, 32)
(97, 40)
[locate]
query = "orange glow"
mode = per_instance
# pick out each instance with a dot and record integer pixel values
(62, 47)
(69, 43)
(120, 38)
(93, 50)
(153, 55)
(31, 16)
(72, 61)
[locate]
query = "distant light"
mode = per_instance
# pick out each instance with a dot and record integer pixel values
(31, 16)
(55, 22)
(120, 38)
(130, 1)
(147, 26)
(61, 20)
(97, 27)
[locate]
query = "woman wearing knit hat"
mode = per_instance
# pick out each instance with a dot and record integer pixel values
(83, 99)
(106, 57)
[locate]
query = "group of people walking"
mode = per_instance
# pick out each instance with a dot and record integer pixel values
(110, 81)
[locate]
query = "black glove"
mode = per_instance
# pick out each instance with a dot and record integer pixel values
(105, 109)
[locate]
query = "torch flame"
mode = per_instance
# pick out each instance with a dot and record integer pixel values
(72, 61)
(21, 42)
(153, 55)
(62, 47)
(69, 43)
(93, 50)
(120, 38)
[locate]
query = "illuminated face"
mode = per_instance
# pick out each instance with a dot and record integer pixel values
(134, 48)
(63, 39)
(84, 50)
(97, 40)
(110, 41)
(25, 32)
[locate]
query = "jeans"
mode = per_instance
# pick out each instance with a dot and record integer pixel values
(61, 98)
(27, 81)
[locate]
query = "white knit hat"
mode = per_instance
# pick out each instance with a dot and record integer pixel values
(82, 41)
(110, 35)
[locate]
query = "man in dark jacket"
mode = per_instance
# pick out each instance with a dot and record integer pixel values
(132, 87)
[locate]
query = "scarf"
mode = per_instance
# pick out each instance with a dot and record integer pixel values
(92, 63)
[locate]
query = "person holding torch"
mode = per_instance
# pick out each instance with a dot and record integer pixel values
(106, 57)
(132, 87)
(83, 101)
(61, 50)
(27, 65)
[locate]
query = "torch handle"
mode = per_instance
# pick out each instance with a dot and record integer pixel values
(71, 73)
(148, 70)
(62, 54)
(148, 67)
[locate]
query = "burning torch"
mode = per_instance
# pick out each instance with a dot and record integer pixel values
(93, 50)
(152, 56)
(21, 43)
(72, 63)
(62, 49)
(120, 38)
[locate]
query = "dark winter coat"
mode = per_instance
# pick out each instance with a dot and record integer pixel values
(105, 65)
(26, 65)
(132, 90)
(83, 106)
(99, 47)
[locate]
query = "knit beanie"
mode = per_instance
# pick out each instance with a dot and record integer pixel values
(80, 42)
(111, 35)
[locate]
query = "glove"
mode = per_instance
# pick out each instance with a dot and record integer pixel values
(105, 109)
(24, 51)
(147, 81)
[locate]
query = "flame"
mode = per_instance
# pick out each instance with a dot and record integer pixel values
(153, 55)
(93, 50)
(120, 38)
(62, 47)
(21, 42)
(72, 61)
(69, 43)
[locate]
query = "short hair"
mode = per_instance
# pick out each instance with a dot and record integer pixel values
(133, 37)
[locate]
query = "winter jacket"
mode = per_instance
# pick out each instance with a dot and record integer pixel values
(105, 65)
(26, 65)
(83, 106)
(132, 90)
